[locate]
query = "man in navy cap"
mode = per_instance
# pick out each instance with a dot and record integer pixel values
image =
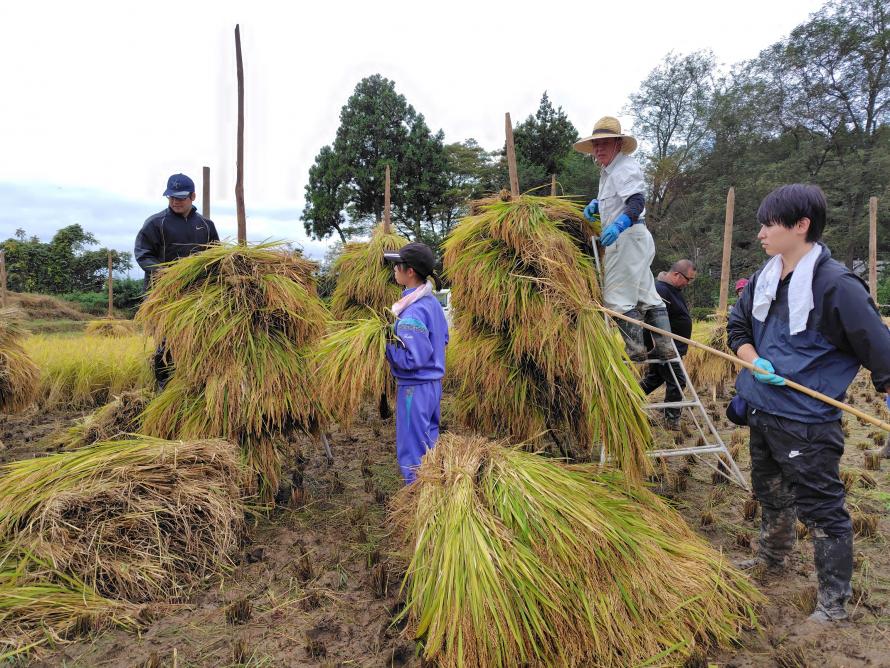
(176, 232)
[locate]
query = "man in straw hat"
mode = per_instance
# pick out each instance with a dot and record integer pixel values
(628, 285)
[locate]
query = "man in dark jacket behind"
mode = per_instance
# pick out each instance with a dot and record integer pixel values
(171, 234)
(669, 286)
(805, 317)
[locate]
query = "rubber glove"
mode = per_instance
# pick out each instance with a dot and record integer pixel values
(610, 234)
(888, 402)
(769, 377)
(591, 210)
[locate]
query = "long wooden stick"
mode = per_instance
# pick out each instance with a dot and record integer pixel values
(742, 363)
(205, 192)
(110, 287)
(511, 156)
(873, 247)
(387, 206)
(239, 162)
(3, 278)
(553, 185)
(727, 253)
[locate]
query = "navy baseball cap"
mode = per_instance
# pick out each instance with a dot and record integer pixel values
(179, 185)
(416, 255)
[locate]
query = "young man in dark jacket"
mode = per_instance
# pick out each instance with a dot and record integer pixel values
(176, 232)
(171, 234)
(804, 317)
(669, 286)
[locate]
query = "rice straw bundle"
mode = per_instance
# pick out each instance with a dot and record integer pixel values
(704, 368)
(351, 365)
(86, 371)
(531, 351)
(515, 559)
(240, 322)
(110, 327)
(19, 376)
(365, 284)
(137, 520)
(116, 419)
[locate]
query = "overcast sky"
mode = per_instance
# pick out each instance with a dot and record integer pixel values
(102, 101)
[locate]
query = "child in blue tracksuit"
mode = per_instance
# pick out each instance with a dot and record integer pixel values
(417, 356)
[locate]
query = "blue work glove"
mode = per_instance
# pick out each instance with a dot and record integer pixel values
(591, 210)
(769, 377)
(888, 402)
(610, 234)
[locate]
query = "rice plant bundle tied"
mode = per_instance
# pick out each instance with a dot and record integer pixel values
(704, 368)
(365, 284)
(19, 376)
(240, 323)
(110, 327)
(351, 365)
(116, 419)
(531, 352)
(136, 520)
(515, 559)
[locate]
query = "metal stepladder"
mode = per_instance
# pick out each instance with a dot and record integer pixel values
(690, 403)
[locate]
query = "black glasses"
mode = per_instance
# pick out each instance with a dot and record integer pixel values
(688, 280)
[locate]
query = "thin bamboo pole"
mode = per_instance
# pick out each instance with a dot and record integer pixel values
(239, 162)
(873, 247)
(725, 269)
(205, 192)
(387, 206)
(3, 298)
(110, 287)
(511, 156)
(742, 363)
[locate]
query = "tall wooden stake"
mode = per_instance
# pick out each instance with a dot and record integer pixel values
(553, 185)
(727, 253)
(3, 278)
(239, 162)
(387, 206)
(110, 287)
(873, 247)
(511, 157)
(205, 192)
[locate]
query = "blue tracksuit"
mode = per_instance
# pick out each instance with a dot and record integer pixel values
(418, 364)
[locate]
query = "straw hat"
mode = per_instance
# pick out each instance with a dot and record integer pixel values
(607, 126)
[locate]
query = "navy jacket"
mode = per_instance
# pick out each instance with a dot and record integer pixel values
(423, 331)
(844, 331)
(678, 314)
(167, 236)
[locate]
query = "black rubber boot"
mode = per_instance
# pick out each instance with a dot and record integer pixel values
(664, 346)
(162, 365)
(778, 535)
(633, 336)
(834, 570)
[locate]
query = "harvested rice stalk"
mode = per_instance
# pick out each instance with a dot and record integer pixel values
(705, 369)
(531, 352)
(116, 419)
(19, 376)
(515, 559)
(351, 366)
(240, 323)
(365, 284)
(39, 606)
(137, 520)
(110, 327)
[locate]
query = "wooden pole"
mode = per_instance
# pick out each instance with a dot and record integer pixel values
(722, 308)
(553, 185)
(387, 206)
(742, 363)
(205, 192)
(3, 278)
(511, 157)
(239, 162)
(873, 247)
(110, 287)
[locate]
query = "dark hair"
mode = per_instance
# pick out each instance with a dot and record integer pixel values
(788, 204)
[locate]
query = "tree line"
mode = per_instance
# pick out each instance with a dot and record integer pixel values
(813, 107)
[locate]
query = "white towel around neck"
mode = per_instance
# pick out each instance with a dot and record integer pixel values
(411, 297)
(800, 291)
